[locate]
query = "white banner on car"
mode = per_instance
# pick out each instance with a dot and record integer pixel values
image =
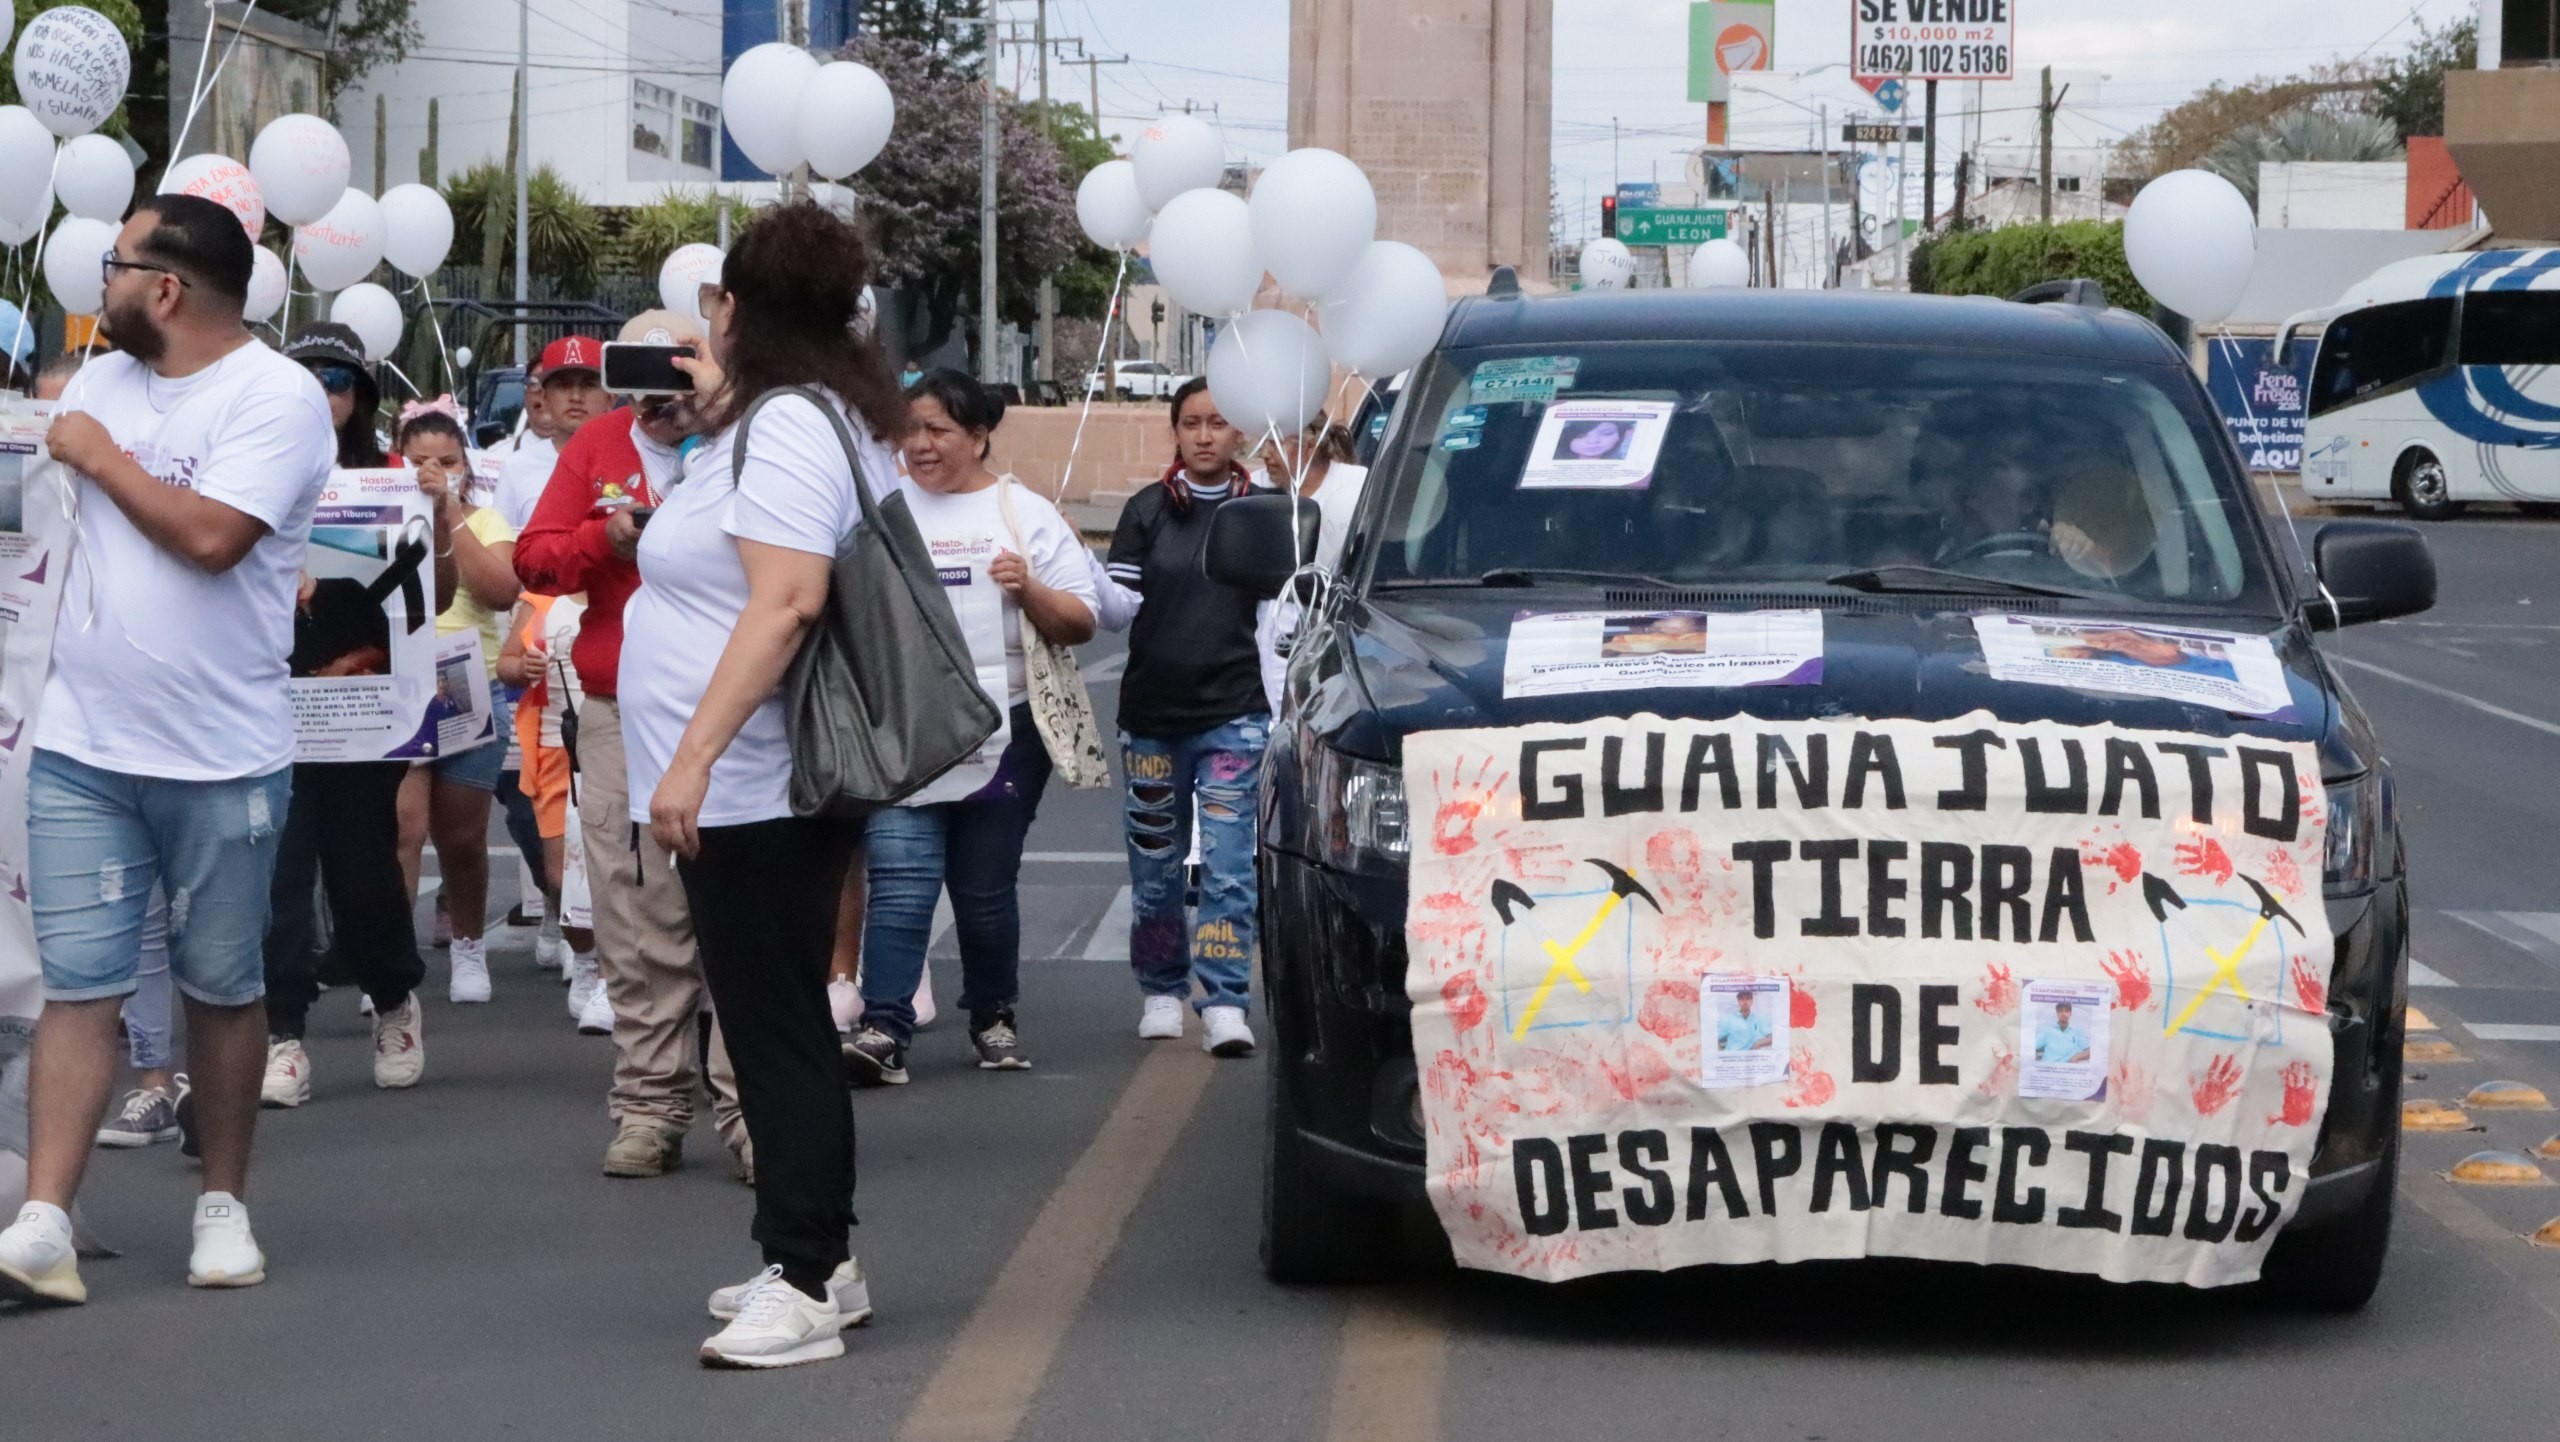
(2018, 992)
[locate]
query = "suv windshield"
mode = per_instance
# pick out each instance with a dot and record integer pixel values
(1789, 464)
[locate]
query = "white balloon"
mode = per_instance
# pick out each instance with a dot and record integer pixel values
(344, 246)
(1174, 154)
(1108, 206)
(224, 181)
(417, 229)
(266, 286)
(71, 259)
(8, 22)
(2192, 241)
(1314, 215)
(846, 114)
(373, 314)
(1607, 265)
(1719, 263)
(26, 174)
(1387, 314)
(760, 103)
(94, 177)
(462, 357)
(683, 274)
(72, 68)
(300, 162)
(1202, 251)
(1268, 370)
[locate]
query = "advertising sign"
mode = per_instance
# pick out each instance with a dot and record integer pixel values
(1727, 38)
(1931, 40)
(2259, 399)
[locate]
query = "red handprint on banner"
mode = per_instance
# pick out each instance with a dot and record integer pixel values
(2299, 1083)
(1453, 828)
(2213, 1089)
(2134, 1091)
(1999, 993)
(2003, 1078)
(2132, 979)
(2310, 989)
(1812, 1086)
(2205, 858)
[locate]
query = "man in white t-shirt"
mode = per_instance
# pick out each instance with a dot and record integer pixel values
(165, 737)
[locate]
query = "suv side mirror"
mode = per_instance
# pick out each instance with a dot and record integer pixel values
(1250, 545)
(2374, 570)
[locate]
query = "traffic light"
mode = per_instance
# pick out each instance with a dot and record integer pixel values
(1609, 216)
(1159, 315)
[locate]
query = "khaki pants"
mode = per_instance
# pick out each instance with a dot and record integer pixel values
(644, 946)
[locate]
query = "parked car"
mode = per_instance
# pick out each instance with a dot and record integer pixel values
(1138, 380)
(1896, 465)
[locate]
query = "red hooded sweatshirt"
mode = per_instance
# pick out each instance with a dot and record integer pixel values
(563, 550)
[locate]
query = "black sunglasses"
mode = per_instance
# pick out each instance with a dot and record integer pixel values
(108, 265)
(336, 380)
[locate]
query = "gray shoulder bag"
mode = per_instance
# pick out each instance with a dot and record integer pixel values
(883, 696)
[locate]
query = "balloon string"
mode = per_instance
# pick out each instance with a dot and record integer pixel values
(27, 292)
(1111, 316)
(428, 305)
(195, 103)
(2302, 555)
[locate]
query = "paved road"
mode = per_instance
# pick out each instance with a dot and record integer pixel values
(1069, 1254)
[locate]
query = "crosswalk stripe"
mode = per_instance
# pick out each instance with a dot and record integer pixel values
(2536, 933)
(2421, 974)
(2512, 1031)
(1110, 939)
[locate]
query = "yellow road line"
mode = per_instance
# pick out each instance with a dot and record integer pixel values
(994, 1369)
(1388, 1383)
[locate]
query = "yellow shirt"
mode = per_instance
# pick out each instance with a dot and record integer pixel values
(466, 613)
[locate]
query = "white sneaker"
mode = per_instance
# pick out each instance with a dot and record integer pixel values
(923, 1000)
(584, 983)
(1162, 1020)
(844, 1002)
(288, 1080)
(400, 1045)
(225, 1255)
(550, 952)
(777, 1325)
(596, 1018)
(470, 972)
(38, 1262)
(1227, 1035)
(852, 1294)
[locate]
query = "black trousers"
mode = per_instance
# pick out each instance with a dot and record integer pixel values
(764, 898)
(342, 832)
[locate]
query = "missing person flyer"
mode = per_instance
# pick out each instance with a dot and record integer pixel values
(1746, 1024)
(1596, 446)
(2062, 1040)
(1577, 651)
(2228, 672)
(460, 709)
(364, 637)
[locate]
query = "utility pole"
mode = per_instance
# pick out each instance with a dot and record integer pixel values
(987, 370)
(2044, 148)
(795, 23)
(1964, 178)
(1093, 80)
(524, 172)
(1929, 163)
(1046, 370)
(1830, 257)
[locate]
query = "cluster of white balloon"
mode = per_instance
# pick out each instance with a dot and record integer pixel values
(1311, 224)
(72, 67)
(1607, 264)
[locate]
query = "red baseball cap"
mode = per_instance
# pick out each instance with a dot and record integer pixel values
(573, 353)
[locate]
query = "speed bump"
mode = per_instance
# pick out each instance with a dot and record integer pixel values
(2548, 1234)
(2507, 1096)
(2498, 1169)
(2425, 1116)
(2418, 1021)
(2549, 1151)
(2430, 1050)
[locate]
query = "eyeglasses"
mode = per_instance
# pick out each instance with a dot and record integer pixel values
(336, 380)
(108, 265)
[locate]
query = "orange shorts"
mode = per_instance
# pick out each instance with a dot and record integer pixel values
(544, 777)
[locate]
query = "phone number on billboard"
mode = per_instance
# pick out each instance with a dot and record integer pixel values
(1934, 62)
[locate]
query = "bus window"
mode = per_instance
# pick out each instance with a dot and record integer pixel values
(2511, 328)
(2381, 345)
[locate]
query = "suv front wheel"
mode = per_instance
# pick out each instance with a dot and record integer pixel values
(1313, 1232)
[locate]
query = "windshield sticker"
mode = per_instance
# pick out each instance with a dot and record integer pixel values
(2228, 672)
(1462, 440)
(1467, 418)
(1534, 378)
(2062, 1040)
(2043, 994)
(1576, 651)
(1596, 446)
(1747, 1017)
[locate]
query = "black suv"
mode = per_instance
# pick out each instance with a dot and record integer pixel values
(1888, 460)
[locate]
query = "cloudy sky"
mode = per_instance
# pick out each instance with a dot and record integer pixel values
(1623, 60)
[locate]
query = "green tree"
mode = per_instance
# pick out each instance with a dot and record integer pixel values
(568, 235)
(1084, 282)
(926, 25)
(362, 34)
(2005, 261)
(652, 232)
(2188, 131)
(2300, 135)
(2410, 90)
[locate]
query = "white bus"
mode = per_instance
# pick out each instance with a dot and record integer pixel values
(2437, 383)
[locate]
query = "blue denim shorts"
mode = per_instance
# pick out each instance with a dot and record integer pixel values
(99, 841)
(478, 767)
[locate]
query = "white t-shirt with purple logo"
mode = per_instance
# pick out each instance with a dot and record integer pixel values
(159, 668)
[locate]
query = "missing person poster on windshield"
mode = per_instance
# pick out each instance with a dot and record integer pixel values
(1596, 446)
(364, 637)
(1571, 652)
(1973, 990)
(2219, 669)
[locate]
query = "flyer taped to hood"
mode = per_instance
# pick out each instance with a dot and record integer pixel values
(1971, 990)
(1576, 651)
(1596, 446)
(2227, 672)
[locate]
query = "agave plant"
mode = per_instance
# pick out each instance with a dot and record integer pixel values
(2301, 134)
(568, 237)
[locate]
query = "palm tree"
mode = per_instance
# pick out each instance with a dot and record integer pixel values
(2301, 134)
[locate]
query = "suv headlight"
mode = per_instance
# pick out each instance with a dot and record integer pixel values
(2355, 808)
(1360, 812)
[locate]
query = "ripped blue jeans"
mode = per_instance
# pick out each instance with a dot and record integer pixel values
(1223, 769)
(97, 843)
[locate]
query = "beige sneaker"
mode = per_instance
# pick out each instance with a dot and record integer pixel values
(644, 1147)
(400, 1045)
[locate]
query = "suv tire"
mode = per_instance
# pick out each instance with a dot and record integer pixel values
(2335, 1266)
(1312, 1232)
(2419, 484)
